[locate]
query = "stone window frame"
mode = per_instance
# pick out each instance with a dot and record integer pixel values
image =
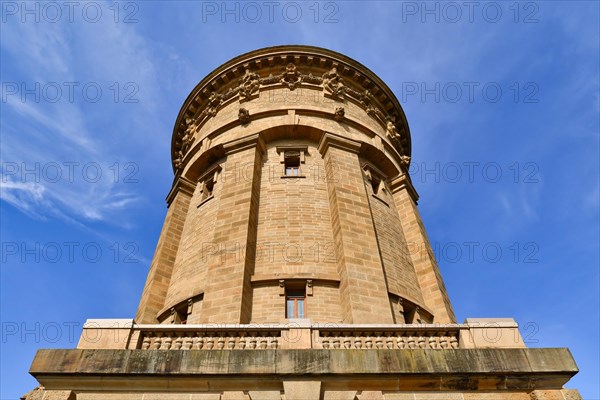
(378, 182)
(181, 312)
(304, 286)
(283, 150)
(207, 183)
(411, 312)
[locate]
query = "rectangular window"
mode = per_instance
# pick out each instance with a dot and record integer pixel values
(292, 164)
(375, 183)
(179, 315)
(208, 188)
(295, 304)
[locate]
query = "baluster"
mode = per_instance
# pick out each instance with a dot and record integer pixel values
(453, 342)
(262, 343)
(444, 342)
(422, 343)
(336, 342)
(325, 342)
(220, 342)
(368, 342)
(198, 341)
(379, 342)
(252, 344)
(389, 342)
(157, 342)
(210, 343)
(166, 343)
(401, 341)
(231, 342)
(187, 343)
(178, 342)
(411, 342)
(274, 342)
(433, 341)
(347, 342)
(242, 342)
(357, 342)
(146, 343)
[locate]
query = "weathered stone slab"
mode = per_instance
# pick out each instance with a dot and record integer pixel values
(464, 369)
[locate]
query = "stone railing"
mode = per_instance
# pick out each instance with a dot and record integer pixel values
(208, 338)
(386, 337)
(474, 333)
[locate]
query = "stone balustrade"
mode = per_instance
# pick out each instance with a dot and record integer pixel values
(202, 339)
(398, 337)
(474, 333)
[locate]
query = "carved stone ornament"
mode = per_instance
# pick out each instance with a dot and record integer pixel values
(214, 101)
(188, 135)
(309, 287)
(533, 396)
(332, 83)
(291, 76)
(248, 85)
(405, 160)
(247, 80)
(179, 160)
(366, 99)
(391, 131)
(339, 114)
(244, 116)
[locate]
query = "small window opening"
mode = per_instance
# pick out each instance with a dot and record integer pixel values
(209, 185)
(292, 163)
(375, 183)
(295, 303)
(179, 315)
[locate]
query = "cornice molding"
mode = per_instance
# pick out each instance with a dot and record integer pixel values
(181, 184)
(403, 182)
(243, 78)
(332, 140)
(245, 143)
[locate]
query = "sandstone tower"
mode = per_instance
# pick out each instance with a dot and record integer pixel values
(293, 263)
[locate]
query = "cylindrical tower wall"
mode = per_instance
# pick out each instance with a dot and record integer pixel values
(295, 154)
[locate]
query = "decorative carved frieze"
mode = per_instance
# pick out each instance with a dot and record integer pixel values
(366, 99)
(291, 77)
(214, 101)
(178, 162)
(248, 85)
(333, 85)
(188, 135)
(341, 82)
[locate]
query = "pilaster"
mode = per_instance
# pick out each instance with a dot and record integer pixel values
(363, 289)
(157, 283)
(228, 295)
(419, 248)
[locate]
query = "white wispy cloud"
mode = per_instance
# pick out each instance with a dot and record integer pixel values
(38, 132)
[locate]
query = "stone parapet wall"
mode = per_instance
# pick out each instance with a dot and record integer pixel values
(301, 334)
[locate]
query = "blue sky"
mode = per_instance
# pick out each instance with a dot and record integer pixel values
(502, 100)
